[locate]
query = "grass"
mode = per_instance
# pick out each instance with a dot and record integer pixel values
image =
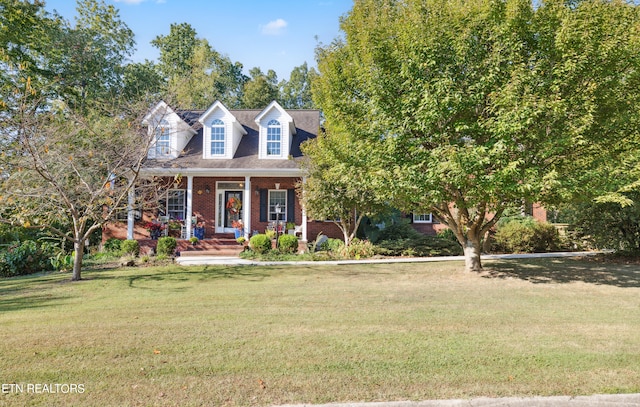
(238, 336)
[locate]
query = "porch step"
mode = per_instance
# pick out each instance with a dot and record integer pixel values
(218, 245)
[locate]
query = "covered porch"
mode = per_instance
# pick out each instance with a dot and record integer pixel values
(208, 204)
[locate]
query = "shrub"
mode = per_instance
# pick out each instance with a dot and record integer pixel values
(605, 225)
(25, 257)
(359, 249)
(333, 245)
(260, 243)
(112, 245)
(399, 230)
(526, 235)
(166, 246)
(421, 246)
(130, 247)
(288, 243)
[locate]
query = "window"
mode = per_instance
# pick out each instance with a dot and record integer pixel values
(278, 205)
(176, 204)
(217, 137)
(274, 138)
(163, 139)
(422, 218)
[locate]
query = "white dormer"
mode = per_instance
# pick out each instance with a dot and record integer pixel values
(170, 134)
(276, 132)
(221, 132)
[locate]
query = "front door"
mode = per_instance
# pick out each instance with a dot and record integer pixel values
(232, 209)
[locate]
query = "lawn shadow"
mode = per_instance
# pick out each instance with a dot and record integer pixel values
(177, 279)
(565, 270)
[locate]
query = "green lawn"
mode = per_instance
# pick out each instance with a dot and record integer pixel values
(239, 336)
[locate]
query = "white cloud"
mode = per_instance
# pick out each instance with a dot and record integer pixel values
(275, 27)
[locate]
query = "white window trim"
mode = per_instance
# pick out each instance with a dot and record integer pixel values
(417, 220)
(283, 213)
(223, 126)
(184, 204)
(159, 131)
(267, 141)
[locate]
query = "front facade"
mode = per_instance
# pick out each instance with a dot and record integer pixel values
(231, 170)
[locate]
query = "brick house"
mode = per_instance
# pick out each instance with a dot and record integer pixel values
(232, 165)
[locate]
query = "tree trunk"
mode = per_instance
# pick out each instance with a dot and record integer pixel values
(78, 251)
(472, 249)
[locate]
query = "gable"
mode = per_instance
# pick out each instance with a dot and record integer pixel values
(221, 132)
(169, 131)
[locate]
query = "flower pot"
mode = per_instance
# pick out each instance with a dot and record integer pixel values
(238, 233)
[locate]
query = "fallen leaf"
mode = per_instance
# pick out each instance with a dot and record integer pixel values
(263, 385)
(156, 352)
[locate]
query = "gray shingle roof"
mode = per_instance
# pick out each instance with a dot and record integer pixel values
(307, 123)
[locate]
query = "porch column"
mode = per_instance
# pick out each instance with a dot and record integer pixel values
(246, 213)
(131, 218)
(189, 206)
(304, 218)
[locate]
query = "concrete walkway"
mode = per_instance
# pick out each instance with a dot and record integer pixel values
(604, 400)
(235, 261)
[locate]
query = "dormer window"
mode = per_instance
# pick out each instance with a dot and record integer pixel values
(274, 138)
(163, 139)
(217, 137)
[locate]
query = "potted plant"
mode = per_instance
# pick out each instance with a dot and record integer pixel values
(239, 228)
(291, 228)
(154, 228)
(175, 228)
(194, 240)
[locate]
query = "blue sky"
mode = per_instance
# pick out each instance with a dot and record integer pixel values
(270, 34)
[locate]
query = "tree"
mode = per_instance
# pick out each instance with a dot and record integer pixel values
(296, 92)
(260, 90)
(70, 151)
(70, 167)
(337, 185)
(196, 73)
(88, 58)
(479, 106)
(142, 80)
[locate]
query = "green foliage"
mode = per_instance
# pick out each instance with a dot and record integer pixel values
(260, 243)
(166, 246)
(260, 90)
(607, 225)
(335, 246)
(196, 73)
(288, 243)
(419, 246)
(130, 247)
(526, 235)
(296, 92)
(112, 245)
(359, 249)
(401, 229)
(473, 107)
(25, 257)
(62, 261)
(341, 185)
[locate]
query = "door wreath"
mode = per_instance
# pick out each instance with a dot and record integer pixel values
(234, 205)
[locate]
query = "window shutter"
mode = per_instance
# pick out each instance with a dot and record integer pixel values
(264, 205)
(410, 217)
(291, 205)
